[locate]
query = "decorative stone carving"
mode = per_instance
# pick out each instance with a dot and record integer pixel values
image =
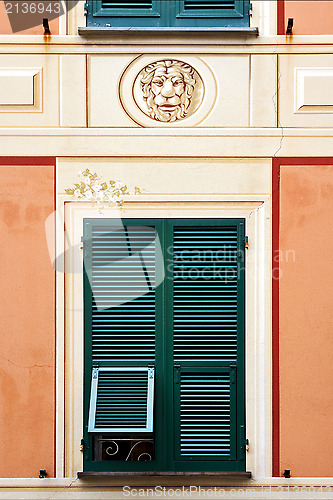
(168, 90)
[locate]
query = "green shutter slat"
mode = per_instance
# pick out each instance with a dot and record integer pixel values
(214, 279)
(209, 4)
(122, 284)
(205, 414)
(127, 4)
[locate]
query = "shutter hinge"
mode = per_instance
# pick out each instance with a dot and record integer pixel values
(176, 374)
(233, 368)
(151, 371)
(246, 242)
(250, 7)
(85, 7)
(244, 443)
(82, 243)
(82, 445)
(95, 372)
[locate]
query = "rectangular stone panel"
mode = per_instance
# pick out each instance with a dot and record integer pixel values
(305, 93)
(19, 86)
(29, 90)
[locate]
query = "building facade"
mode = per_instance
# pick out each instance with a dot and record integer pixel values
(166, 172)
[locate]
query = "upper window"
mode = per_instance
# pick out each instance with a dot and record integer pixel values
(168, 13)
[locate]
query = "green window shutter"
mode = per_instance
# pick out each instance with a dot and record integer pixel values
(189, 327)
(207, 291)
(126, 13)
(168, 13)
(122, 400)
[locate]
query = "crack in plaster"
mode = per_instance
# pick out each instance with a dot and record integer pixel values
(25, 366)
(275, 103)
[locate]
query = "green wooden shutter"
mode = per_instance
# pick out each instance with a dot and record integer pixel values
(168, 13)
(126, 13)
(191, 327)
(121, 315)
(207, 295)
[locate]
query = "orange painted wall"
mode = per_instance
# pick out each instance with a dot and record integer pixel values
(306, 321)
(27, 340)
(311, 17)
(5, 27)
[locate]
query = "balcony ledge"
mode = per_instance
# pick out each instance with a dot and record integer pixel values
(217, 475)
(112, 31)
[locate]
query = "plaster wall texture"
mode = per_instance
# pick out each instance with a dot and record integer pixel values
(27, 340)
(5, 27)
(306, 320)
(311, 17)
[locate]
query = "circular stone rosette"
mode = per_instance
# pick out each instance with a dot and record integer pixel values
(162, 92)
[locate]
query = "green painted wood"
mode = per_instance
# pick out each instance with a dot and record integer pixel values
(206, 339)
(144, 13)
(199, 336)
(168, 13)
(122, 313)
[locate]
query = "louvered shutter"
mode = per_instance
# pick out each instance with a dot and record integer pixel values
(168, 13)
(207, 322)
(122, 400)
(189, 327)
(126, 13)
(122, 280)
(210, 13)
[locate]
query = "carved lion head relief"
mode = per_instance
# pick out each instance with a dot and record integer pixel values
(170, 90)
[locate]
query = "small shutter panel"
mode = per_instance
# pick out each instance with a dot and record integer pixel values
(207, 414)
(121, 400)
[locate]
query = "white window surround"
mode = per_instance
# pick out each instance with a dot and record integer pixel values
(256, 209)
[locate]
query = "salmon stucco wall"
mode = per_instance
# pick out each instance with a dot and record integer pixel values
(5, 27)
(27, 340)
(311, 17)
(306, 320)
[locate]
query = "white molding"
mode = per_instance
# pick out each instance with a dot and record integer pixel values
(258, 362)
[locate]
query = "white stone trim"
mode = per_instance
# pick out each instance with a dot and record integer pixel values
(258, 359)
